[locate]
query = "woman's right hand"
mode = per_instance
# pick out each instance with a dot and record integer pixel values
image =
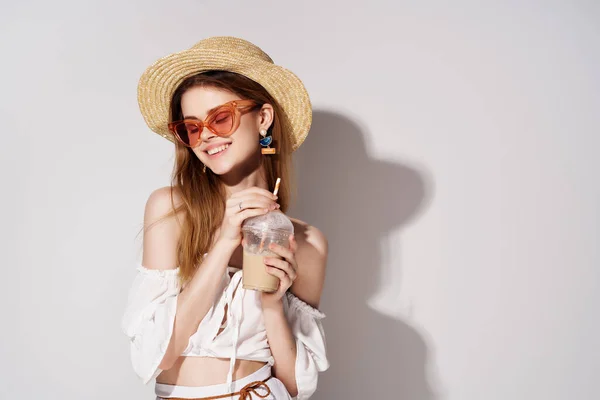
(241, 205)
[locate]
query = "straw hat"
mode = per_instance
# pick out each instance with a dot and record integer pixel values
(159, 81)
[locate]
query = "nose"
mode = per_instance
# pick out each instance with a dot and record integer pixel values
(206, 135)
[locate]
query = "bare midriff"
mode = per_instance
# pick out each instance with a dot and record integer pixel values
(204, 371)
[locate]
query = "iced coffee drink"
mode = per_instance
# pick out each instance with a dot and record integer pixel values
(259, 232)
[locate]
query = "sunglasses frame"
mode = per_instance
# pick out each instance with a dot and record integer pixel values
(237, 108)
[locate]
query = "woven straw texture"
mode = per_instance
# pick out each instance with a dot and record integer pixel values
(159, 81)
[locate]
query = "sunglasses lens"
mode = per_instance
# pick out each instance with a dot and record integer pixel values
(189, 133)
(222, 122)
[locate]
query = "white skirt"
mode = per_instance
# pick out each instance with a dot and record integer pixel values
(277, 388)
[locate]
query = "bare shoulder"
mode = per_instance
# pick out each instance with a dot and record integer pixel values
(162, 201)
(309, 237)
(311, 256)
(162, 229)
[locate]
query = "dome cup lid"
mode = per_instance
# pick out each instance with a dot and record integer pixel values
(273, 221)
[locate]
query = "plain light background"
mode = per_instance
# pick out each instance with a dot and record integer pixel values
(452, 164)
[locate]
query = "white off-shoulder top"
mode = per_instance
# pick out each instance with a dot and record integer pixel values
(150, 314)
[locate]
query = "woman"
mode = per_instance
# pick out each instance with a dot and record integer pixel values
(235, 118)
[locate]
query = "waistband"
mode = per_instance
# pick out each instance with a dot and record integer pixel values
(191, 392)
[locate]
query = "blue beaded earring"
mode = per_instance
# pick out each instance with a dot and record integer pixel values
(265, 142)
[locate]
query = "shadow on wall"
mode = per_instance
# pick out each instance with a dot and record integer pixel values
(357, 201)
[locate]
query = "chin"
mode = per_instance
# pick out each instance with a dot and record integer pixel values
(221, 167)
(229, 164)
(218, 167)
(220, 170)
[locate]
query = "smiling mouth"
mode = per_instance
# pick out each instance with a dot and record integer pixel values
(217, 150)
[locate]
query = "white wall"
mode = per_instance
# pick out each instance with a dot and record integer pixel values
(451, 164)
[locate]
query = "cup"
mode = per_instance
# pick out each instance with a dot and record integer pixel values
(259, 232)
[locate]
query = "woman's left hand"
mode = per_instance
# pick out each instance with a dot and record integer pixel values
(285, 269)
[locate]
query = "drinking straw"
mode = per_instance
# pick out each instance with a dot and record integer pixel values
(277, 186)
(264, 232)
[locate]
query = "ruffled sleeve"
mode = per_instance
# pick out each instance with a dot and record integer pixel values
(149, 317)
(305, 323)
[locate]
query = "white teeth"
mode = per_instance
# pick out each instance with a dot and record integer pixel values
(217, 149)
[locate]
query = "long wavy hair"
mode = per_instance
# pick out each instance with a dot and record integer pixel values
(202, 194)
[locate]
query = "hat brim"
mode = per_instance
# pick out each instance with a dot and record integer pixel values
(159, 81)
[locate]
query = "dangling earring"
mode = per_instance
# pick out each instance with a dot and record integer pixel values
(265, 142)
(204, 168)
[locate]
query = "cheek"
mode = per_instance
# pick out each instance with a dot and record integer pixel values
(247, 138)
(200, 154)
